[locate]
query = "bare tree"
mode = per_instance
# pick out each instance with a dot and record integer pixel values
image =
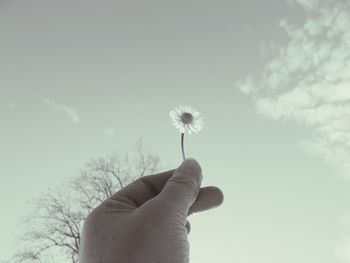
(52, 231)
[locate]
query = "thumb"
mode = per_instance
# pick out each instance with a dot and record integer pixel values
(182, 188)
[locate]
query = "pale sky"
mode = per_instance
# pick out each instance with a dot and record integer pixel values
(83, 79)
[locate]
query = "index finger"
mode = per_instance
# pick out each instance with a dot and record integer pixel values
(143, 189)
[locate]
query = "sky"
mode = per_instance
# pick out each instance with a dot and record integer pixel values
(84, 79)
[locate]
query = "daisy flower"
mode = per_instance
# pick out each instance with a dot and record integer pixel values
(186, 119)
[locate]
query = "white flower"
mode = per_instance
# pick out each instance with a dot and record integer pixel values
(187, 119)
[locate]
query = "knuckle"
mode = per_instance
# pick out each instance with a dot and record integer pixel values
(190, 185)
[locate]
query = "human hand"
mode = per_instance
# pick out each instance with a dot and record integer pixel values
(146, 222)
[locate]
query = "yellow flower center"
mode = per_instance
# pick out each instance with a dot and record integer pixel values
(186, 117)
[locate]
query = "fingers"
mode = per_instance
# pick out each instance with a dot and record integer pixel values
(188, 226)
(179, 187)
(208, 197)
(142, 189)
(182, 188)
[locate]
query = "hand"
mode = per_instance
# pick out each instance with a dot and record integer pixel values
(146, 222)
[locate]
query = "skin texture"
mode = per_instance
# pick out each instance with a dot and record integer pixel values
(146, 222)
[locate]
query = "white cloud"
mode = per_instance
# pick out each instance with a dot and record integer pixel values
(69, 111)
(141, 104)
(308, 80)
(342, 248)
(109, 132)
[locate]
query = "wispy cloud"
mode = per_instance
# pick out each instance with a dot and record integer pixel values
(69, 111)
(108, 132)
(308, 79)
(342, 250)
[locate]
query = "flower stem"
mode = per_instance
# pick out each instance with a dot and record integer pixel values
(182, 145)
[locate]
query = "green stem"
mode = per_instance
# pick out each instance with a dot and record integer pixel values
(182, 146)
